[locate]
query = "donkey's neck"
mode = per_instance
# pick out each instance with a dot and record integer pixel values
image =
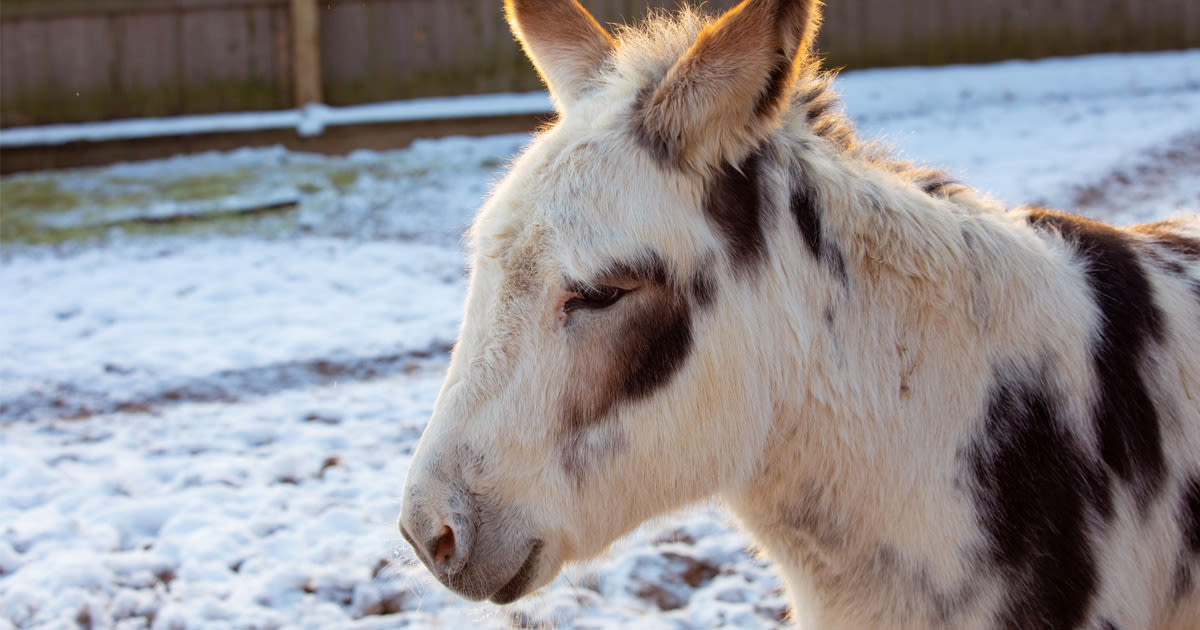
(880, 275)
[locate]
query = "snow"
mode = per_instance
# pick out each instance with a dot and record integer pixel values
(211, 431)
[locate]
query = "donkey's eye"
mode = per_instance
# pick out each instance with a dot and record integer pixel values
(594, 298)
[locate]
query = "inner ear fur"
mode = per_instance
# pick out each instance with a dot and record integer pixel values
(566, 44)
(729, 89)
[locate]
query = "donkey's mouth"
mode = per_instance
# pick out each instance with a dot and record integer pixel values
(517, 586)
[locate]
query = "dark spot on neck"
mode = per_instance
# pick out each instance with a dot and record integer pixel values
(1035, 490)
(807, 212)
(1125, 414)
(1189, 515)
(734, 204)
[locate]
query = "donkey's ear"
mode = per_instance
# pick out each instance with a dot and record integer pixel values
(563, 40)
(728, 90)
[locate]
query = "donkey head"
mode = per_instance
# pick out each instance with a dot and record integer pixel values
(602, 375)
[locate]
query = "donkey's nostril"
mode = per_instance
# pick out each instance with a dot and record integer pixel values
(442, 538)
(443, 547)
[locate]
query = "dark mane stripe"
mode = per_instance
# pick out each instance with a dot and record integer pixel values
(733, 202)
(807, 212)
(1163, 234)
(1190, 515)
(1189, 532)
(1126, 417)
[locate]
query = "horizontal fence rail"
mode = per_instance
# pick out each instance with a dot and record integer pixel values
(85, 60)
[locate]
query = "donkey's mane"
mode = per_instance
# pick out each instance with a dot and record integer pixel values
(647, 49)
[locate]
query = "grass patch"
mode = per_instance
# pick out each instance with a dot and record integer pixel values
(343, 180)
(200, 187)
(36, 194)
(219, 224)
(43, 210)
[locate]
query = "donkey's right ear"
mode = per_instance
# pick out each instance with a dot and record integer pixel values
(563, 40)
(730, 88)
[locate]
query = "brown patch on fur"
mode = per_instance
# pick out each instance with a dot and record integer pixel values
(734, 203)
(563, 40)
(624, 352)
(1126, 413)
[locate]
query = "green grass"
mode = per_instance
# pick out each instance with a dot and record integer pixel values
(344, 179)
(91, 205)
(200, 187)
(36, 194)
(30, 205)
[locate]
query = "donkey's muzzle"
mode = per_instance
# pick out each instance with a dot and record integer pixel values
(476, 549)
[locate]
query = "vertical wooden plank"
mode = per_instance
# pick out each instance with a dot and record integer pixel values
(1191, 23)
(260, 60)
(852, 31)
(20, 66)
(401, 49)
(384, 24)
(345, 50)
(447, 34)
(922, 37)
(146, 71)
(178, 59)
(955, 31)
(281, 52)
(210, 59)
(306, 41)
(37, 69)
(9, 80)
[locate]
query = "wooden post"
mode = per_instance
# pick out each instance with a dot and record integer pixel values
(306, 51)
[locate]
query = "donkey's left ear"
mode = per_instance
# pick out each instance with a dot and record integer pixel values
(563, 40)
(728, 90)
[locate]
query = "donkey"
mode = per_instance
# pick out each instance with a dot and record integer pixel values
(929, 411)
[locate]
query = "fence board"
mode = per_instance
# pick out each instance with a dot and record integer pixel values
(19, 9)
(306, 55)
(155, 57)
(145, 72)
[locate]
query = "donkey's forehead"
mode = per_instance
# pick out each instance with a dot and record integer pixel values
(584, 196)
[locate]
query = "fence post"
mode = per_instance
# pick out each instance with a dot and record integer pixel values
(306, 51)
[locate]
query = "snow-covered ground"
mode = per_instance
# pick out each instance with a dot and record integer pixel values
(208, 427)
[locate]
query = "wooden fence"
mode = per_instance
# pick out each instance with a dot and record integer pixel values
(79, 60)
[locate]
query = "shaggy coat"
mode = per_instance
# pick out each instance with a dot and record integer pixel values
(929, 411)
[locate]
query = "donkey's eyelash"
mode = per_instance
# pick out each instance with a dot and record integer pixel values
(594, 298)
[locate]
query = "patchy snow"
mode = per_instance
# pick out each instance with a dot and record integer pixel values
(208, 431)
